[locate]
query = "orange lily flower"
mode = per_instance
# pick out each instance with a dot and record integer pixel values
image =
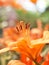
(27, 47)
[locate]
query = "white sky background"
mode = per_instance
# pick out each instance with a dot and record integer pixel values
(28, 5)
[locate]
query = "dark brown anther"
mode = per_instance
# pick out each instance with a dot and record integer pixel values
(17, 29)
(27, 25)
(20, 27)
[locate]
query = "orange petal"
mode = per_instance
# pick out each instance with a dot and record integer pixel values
(36, 50)
(34, 1)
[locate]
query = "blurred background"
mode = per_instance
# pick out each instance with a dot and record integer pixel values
(26, 10)
(12, 11)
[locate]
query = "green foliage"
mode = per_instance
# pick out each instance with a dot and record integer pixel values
(6, 57)
(27, 17)
(45, 17)
(32, 17)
